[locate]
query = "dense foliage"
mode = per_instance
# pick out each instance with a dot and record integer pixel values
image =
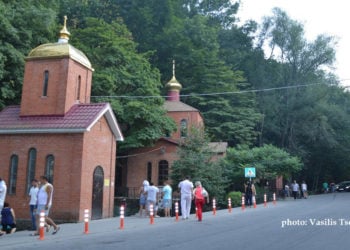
(121, 71)
(269, 161)
(249, 96)
(195, 161)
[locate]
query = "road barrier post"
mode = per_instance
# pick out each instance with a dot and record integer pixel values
(177, 211)
(122, 211)
(214, 206)
(151, 214)
(41, 225)
(86, 221)
(229, 205)
(243, 202)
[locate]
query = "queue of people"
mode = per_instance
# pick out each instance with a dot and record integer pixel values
(151, 195)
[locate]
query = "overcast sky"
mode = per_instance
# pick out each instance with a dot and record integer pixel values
(317, 16)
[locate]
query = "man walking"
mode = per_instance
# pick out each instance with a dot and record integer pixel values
(295, 189)
(44, 203)
(186, 189)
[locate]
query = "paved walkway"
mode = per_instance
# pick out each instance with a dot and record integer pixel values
(98, 228)
(21, 239)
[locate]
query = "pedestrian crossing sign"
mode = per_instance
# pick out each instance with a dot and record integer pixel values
(249, 172)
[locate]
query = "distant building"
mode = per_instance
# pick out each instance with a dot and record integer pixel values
(218, 149)
(57, 132)
(154, 163)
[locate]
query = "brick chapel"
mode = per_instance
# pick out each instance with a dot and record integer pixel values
(57, 132)
(154, 163)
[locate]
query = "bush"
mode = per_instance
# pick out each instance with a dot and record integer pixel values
(236, 198)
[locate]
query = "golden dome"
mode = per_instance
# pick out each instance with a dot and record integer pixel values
(64, 33)
(59, 50)
(173, 84)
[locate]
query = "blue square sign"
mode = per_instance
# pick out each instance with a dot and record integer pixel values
(249, 172)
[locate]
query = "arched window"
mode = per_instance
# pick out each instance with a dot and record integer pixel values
(50, 161)
(149, 171)
(13, 174)
(163, 171)
(183, 128)
(46, 82)
(78, 88)
(31, 167)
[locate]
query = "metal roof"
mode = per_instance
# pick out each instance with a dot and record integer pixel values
(80, 118)
(178, 106)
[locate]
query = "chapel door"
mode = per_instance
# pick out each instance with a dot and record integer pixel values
(97, 193)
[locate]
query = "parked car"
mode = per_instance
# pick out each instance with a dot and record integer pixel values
(343, 186)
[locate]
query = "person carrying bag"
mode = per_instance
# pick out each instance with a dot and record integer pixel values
(200, 194)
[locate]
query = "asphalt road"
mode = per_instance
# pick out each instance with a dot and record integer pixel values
(320, 222)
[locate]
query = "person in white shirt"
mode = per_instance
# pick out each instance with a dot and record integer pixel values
(152, 195)
(33, 194)
(3, 190)
(304, 190)
(186, 189)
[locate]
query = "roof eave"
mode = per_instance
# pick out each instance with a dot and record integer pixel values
(112, 122)
(42, 131)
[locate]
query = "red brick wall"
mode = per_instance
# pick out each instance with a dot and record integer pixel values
(72, 185)
(193, 119)
(66, 149)
(62, 86)
(99, 149)
(137, 165)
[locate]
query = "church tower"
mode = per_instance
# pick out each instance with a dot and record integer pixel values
(56, 77)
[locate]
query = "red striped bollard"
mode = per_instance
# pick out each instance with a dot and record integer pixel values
(151, 214)
(274, 198)
(254, 201)
(214, 206)
(229, 205)
(265, 200)
(243, 202)
(41, 225)
(122, 211)
(86, 221)
(177, 211)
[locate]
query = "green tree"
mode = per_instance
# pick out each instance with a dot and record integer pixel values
(188, 32)
(268, 160)
(23, 26)
(194, 44)
(324, 134)
(195, 160)
(121, 71)
(299, 118)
